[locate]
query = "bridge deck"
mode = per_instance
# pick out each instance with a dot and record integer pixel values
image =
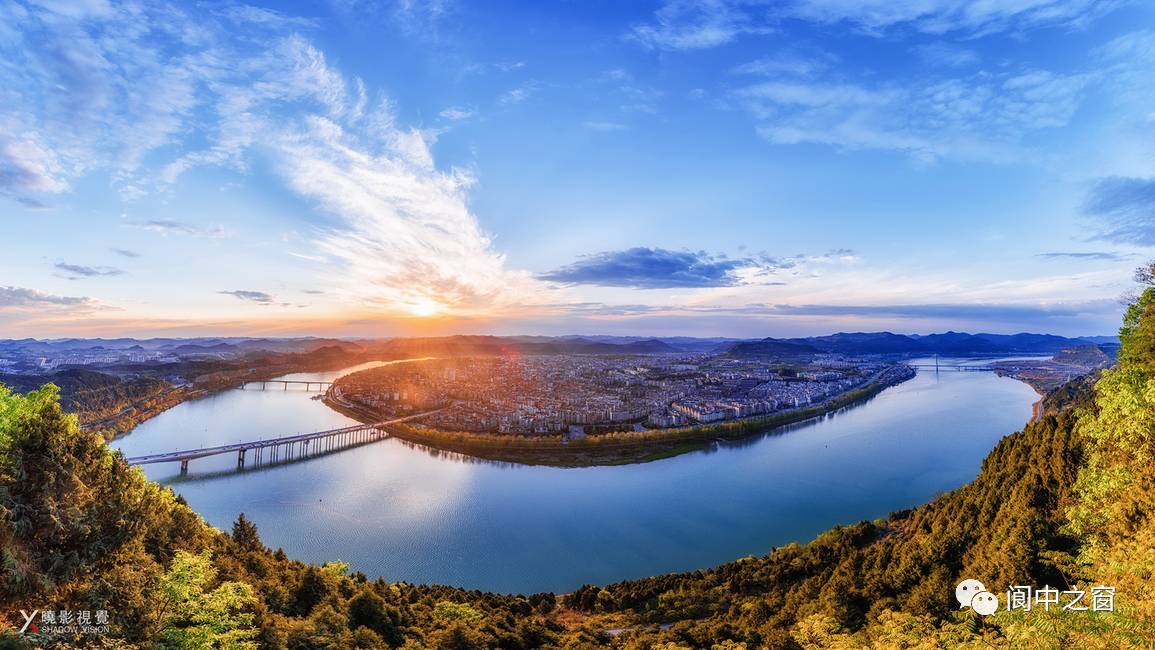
(189, 454)
(288, 381)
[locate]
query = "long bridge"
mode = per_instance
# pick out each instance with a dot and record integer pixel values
(285, 383)
(280, 449)
(952, 367)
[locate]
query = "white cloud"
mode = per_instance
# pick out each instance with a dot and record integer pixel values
(698, 24)
(407, 236)
(701, 24)
(26, 165)
(182, 92)
(789, 63)
(945, 16)
(22, 299)
(946, 54)
(167, 227)
(978, 117)
(515, 96)
(104, 86)
(258, 297)
(457, 113)
(598, 125)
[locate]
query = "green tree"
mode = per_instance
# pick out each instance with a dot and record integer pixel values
(369, 610)
(194, 618)
(450, 612)
(245, 534)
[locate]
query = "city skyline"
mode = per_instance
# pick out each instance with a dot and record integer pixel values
(732, 168)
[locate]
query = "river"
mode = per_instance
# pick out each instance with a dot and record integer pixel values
(405, 513)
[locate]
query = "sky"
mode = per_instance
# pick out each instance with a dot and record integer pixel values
(741, 168)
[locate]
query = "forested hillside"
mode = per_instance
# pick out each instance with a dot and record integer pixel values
(101, 401)
(1067, 502)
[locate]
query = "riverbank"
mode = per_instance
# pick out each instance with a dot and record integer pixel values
(142, 408)
(622, 448)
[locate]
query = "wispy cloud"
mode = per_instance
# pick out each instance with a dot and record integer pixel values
(173, 227)
(18, 298)
(976, 118)
(658, 268)
(598, 125)
(516, 95)
(789, 62)
(500, 66)
(969, 312)
(401, 232)
(1124, 209)
(28, 166)
(946, 54)
(259, 297)
(1098, 255)
(949, 16)
(405, 238)
(964, 311)
(124, 252)
(701, 24)
(457, 113)
(77, 271)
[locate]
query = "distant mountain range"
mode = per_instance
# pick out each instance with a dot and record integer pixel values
(487, 345)
(179, 346)
(855, 343)
(948, 343)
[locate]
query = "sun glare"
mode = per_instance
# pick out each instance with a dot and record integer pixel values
(424, 307)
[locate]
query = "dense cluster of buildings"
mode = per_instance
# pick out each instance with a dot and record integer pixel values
(590, 394)
(31, 363)
(104, 358)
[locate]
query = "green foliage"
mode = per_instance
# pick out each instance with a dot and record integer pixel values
(245, 534)
(1117, 489)
(103, 401)
(369, 611)
(59, 494)
(193, 617)
(457, 612)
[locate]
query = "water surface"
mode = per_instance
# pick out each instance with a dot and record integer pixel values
(402, 512)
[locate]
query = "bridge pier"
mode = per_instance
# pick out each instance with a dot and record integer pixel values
(183, 466)
(240, 458)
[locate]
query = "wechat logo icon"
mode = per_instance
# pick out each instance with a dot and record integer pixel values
(971, 593)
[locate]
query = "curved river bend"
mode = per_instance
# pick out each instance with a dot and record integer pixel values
(407, 513)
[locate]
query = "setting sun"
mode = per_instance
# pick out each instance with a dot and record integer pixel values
(424, 307)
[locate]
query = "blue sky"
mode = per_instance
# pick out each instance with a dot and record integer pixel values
(693, 167)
